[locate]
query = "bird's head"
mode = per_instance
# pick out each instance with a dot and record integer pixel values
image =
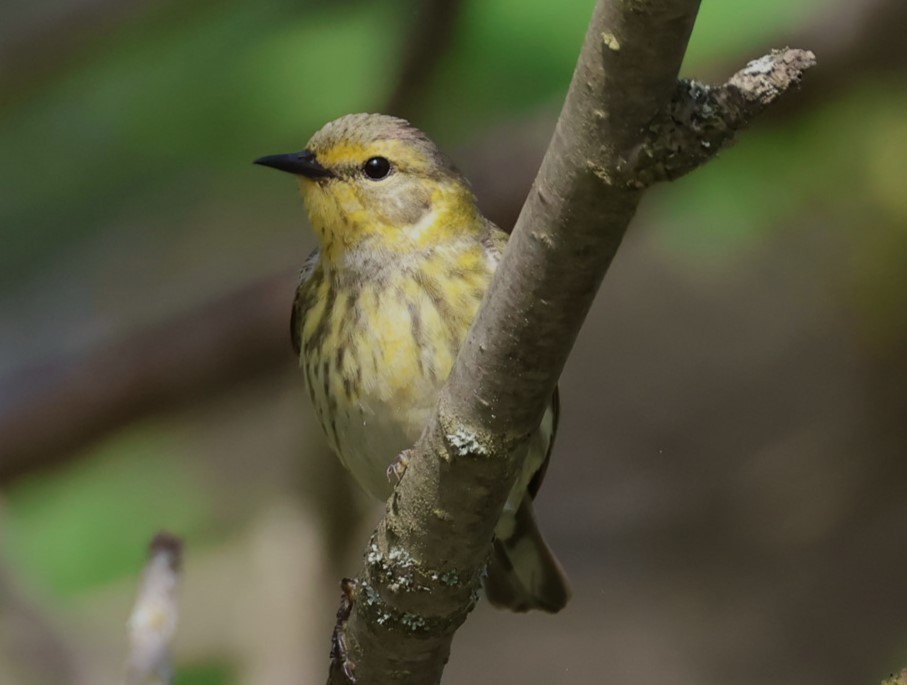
(374, 182)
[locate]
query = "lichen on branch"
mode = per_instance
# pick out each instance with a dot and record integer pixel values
(700, 120)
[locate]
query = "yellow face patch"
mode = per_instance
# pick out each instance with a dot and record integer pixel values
(418, 205)
(352, 156)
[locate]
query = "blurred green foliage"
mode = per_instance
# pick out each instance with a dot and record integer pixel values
(162, 107)
(77, 528)
(771, 180)
(204, 674)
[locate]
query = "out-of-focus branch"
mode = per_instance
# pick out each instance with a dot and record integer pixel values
(154, 617)
(618, 132)
(38, 51)
(858, 35)
(854, 40)
(71, 402)
(501, 163)
(430, 34)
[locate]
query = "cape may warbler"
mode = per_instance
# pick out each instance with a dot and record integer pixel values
(382, 307)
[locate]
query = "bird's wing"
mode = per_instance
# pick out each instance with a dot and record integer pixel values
(494, 240)
(305, 275)
(539, 475)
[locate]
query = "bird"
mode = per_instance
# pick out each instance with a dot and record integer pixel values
(383, 305)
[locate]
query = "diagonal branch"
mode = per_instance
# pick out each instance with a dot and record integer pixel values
(618, 132)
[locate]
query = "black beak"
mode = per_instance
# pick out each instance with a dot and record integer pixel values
(299, 163)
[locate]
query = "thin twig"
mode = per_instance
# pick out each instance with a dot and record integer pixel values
(154, 617)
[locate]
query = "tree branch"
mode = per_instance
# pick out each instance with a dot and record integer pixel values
(153, 620)
(615, 136)
(429, 37)
(165, 367)
(701, 119)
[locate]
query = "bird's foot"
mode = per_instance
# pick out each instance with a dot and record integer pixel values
(339, 655)
(396, 470)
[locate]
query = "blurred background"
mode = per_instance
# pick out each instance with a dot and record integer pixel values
(729, 490)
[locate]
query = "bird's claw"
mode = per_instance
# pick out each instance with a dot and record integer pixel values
(396, 470)
(339, 653)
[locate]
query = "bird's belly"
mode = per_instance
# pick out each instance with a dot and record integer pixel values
(375, 398)
(370, 438)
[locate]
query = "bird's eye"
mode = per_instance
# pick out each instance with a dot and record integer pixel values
(377, 168)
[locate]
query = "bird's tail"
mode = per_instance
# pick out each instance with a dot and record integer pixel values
(523, 573)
